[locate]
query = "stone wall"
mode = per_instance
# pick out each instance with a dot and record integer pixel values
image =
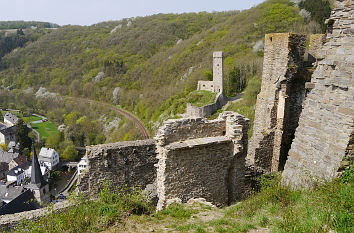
(217, 85)
(202, 159)
(9, 221)
(327, 119)
(279, 102)
(315, 46)
(123, 163)
(207, 110)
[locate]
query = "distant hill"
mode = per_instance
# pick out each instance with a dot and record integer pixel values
(26, 24)
(141, 62)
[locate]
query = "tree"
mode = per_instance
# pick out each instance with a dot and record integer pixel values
(70, 153)
(320, 10)
(3, 147)
(21, 135)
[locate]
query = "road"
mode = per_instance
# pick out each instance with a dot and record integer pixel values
(125, 113)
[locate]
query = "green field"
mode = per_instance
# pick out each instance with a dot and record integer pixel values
(45, 129)
(31, 118)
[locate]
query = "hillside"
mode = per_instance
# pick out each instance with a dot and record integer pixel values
(139, 63)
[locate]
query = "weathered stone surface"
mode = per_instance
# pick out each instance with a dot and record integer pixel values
(279, 102)
(207, 110)
(202, 159)
(327, 120)
(123, 163)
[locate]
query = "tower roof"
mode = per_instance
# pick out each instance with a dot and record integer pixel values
(36, 174)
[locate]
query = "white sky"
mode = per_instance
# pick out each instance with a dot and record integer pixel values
(87, 12)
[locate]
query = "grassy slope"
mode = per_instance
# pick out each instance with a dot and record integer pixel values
(45, 129)
(276, 208)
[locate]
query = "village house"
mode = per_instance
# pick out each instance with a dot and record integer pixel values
(15, 199)
(17, 175)
(10, 119)
(20, 161)
(48, 157)
(7, 135)
(81, 166)
(7, 157)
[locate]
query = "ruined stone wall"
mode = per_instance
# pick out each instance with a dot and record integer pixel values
(201, 159)
(10, 221)
(326, 122)
(315, 46)
(279, 102)
(207, 110)
(217, 85)
(206, 86)
(123, 163)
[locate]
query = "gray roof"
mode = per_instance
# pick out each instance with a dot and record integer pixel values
(15, 171)
(2, 126)
(11, 117)
(8, 130)
(46, 153)
(7, 157)
(10, 192)
(23, 202)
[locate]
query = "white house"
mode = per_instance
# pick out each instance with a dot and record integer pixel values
(48, 158)
(10, 119)
(17, 175)
(44, 171)
(7, 134)
(82, 165)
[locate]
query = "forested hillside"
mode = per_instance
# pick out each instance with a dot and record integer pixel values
(148, 65)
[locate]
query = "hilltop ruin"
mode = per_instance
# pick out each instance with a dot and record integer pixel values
(304, 126)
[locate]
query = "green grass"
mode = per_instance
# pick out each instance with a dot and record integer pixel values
(201, 98)
(31, 118)
(45, 129)
(277, 208)
(92, 216)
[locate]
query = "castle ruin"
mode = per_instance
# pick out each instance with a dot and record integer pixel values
(303, 126)
(189, 158)
(217, 85)
(327, 120)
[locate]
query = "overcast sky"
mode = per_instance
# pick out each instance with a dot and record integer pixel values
(87, 12)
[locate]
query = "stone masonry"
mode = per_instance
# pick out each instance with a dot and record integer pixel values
(279, 103)
(194, 157)
(202, 159)
(122, 163)
(327, 119)
(217, 85)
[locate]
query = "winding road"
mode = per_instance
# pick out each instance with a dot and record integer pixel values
(125, 113)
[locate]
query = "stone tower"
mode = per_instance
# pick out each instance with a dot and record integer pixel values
(217, 85)
(218, 72)
(279, 103)
(38, 185)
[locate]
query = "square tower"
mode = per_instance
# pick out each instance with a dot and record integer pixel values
(218, 72)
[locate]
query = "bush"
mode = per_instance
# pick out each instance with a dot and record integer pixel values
(92, 215)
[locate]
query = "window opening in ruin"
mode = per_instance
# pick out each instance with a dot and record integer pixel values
(223, 133)
(271, 39)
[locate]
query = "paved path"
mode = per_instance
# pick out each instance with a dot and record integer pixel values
(125, 113)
